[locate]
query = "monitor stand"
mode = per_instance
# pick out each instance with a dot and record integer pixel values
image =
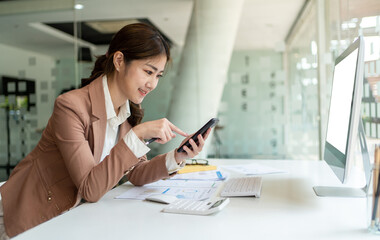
(326, 191)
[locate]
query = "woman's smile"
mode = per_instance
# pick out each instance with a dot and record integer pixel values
(142, 92)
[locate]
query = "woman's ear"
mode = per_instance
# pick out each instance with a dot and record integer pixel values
(118, 60)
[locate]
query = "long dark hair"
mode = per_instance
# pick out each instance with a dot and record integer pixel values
(135, 41)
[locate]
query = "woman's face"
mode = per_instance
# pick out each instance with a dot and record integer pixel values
(140, 77)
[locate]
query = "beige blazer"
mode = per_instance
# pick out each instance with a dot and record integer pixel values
(64, 167)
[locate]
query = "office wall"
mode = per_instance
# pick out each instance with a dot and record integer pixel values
(252, 109)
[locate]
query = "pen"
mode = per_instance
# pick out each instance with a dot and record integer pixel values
(376, 186)
(375, 207)
(150, 141)
(219, 174)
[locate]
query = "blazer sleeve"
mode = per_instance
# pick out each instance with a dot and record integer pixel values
(145, 171)
(92, 180)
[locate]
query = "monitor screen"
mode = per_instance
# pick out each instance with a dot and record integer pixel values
(341, 100)
(344, 112)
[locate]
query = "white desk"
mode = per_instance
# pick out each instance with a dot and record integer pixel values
(287, 209)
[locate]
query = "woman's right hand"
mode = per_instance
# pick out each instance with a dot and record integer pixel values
(161, 129)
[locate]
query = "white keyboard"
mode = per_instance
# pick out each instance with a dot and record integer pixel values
(243, 186)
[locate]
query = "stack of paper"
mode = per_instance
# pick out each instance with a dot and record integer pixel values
(183, 189)
(214, 175)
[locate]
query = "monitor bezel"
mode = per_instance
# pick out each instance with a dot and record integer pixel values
(338, 161)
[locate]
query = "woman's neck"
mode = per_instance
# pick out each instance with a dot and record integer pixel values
(116, 97)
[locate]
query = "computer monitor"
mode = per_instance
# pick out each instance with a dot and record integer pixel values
(344, 125)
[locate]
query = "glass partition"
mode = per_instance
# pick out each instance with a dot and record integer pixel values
(37, 64)
(348, 19)
(302, 128)
(343, 21)
(46, 49)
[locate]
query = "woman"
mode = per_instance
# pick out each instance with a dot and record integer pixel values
(95, 136)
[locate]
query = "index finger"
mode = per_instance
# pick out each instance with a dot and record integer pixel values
(206, 134)
(177, 130)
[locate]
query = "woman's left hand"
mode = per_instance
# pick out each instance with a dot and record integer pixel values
(190, 153)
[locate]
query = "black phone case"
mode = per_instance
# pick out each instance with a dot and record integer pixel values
(211, 123)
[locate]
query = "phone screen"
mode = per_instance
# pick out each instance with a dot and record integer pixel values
(203, 130)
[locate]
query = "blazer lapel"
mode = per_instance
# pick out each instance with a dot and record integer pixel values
(99, 119)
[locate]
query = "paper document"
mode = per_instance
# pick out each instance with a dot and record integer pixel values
(253, 169)
(214, 175)
(184, 183)
(183, 189)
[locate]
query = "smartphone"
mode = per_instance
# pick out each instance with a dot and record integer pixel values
(203, 130)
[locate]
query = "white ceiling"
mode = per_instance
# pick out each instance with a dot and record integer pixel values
(264, 24)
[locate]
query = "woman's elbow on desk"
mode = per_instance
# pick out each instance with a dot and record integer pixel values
(137, 182)
(92, 198)
(90, 194)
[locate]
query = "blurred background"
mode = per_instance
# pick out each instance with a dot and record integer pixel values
(263, 67)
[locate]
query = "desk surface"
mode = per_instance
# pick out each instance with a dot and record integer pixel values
(287, 209)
